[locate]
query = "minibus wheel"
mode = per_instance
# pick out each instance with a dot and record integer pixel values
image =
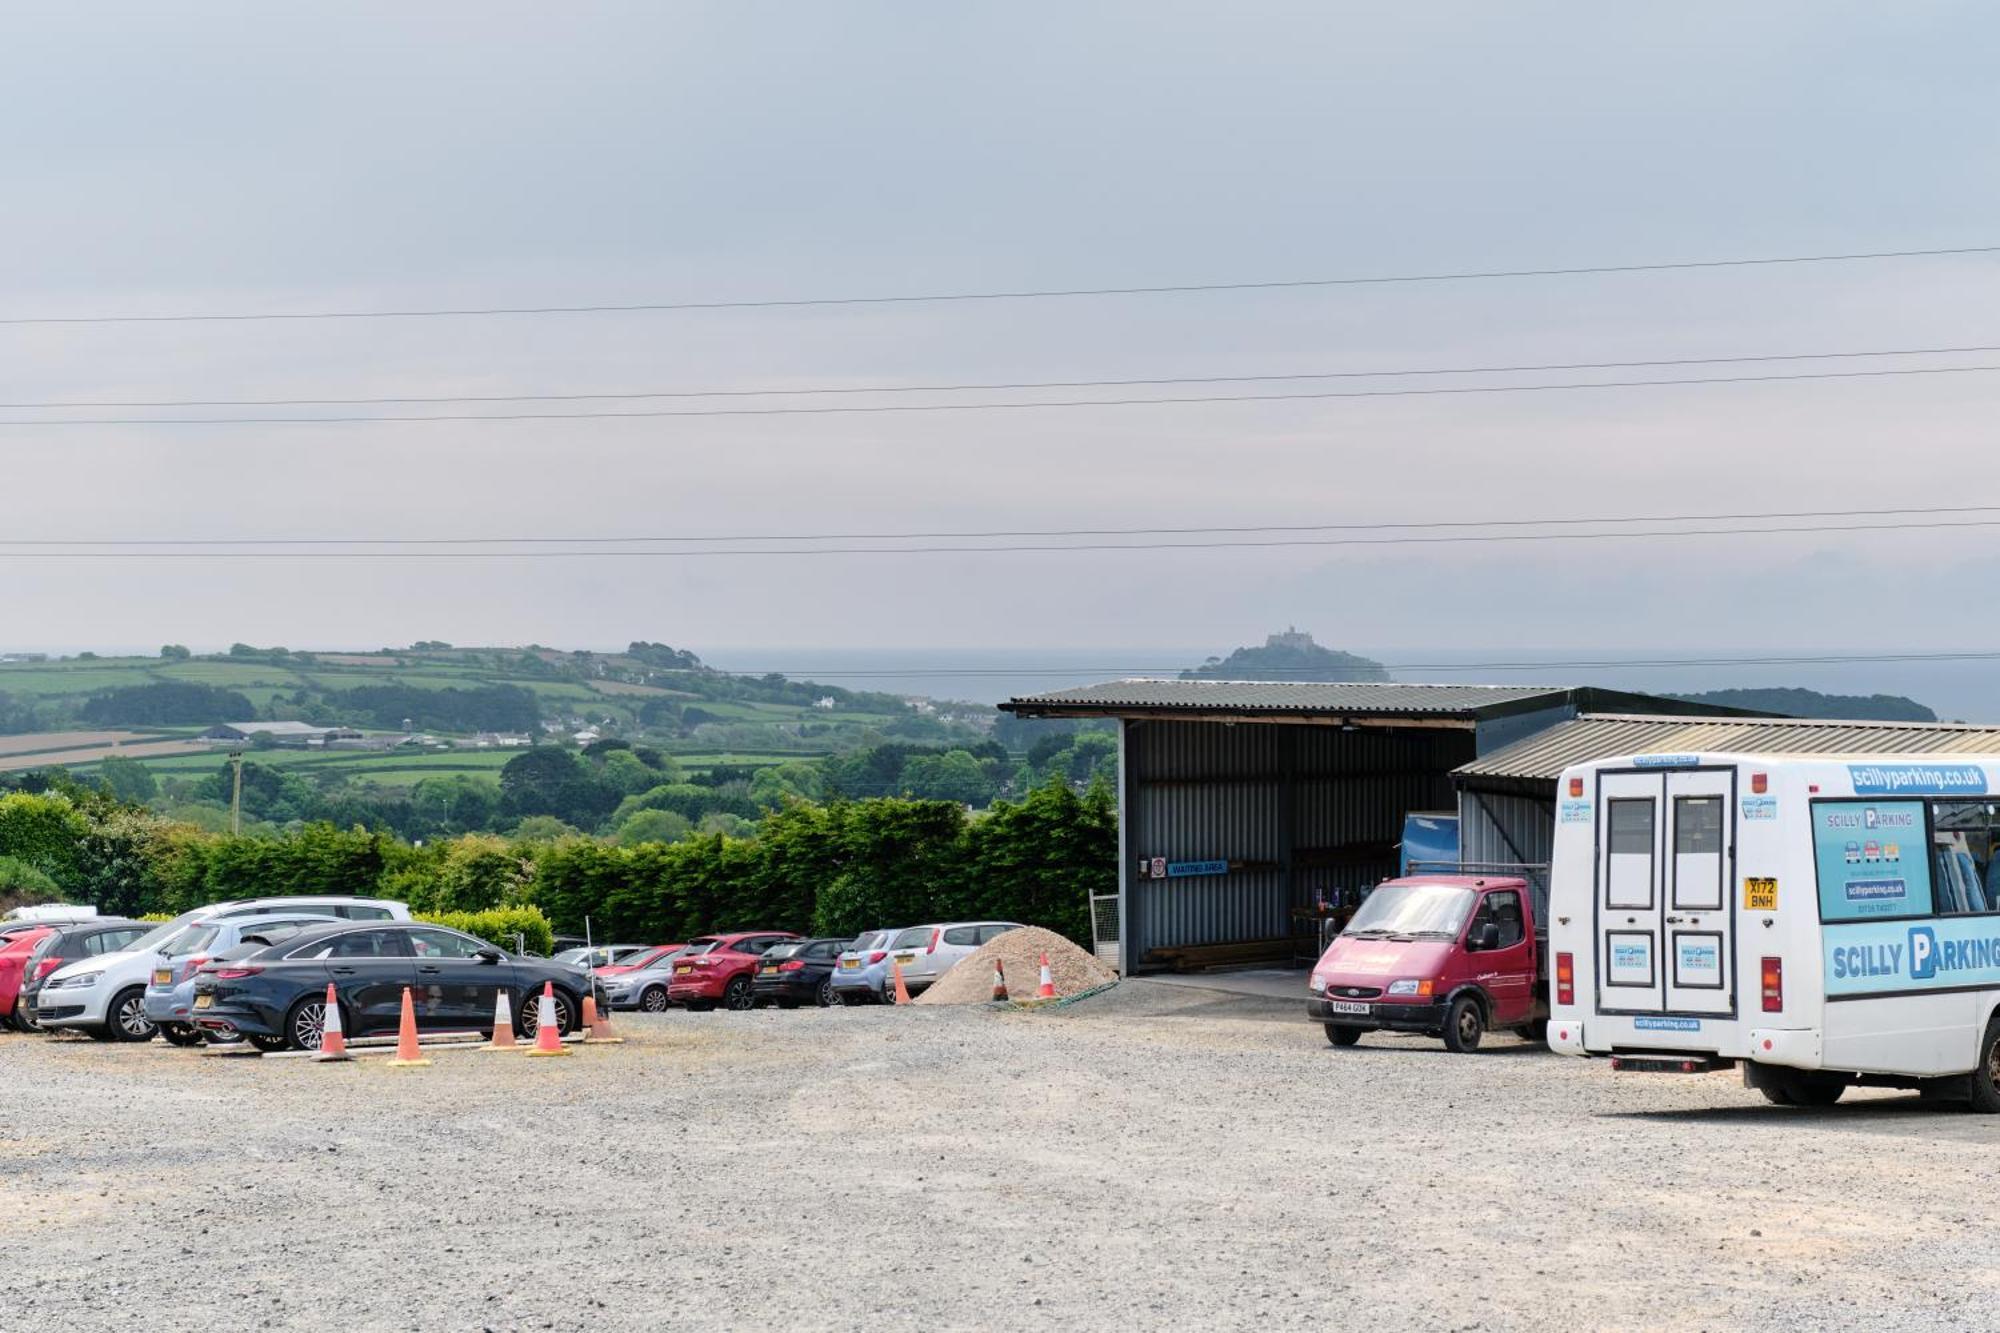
(1985, 1079)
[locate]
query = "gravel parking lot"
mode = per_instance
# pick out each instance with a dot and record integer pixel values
(1151, 1157)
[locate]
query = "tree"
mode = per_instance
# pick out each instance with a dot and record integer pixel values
(952, 776)
(128, 779)
(653, 826)
(175, 652)
(167, 702)
(544, 828)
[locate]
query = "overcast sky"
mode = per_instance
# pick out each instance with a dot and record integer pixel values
(260, 158)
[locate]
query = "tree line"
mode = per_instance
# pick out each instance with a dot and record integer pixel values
(832, 868)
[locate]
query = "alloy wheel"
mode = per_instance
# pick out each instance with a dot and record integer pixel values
(654, 1001)
(736, 995)
(309, 1026)
(132, 1020)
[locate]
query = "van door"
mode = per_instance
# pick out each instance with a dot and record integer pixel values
(1630, 852)
(1700, 846)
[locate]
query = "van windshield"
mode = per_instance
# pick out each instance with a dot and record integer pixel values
(1412, 909)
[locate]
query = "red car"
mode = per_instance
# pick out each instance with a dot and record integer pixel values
(14, 950)
(632, 962)
(722, 972)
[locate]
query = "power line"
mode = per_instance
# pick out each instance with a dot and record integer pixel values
(1426, 525)
(1023, 295)
(879, 408)
(989, 387)
(603, 554)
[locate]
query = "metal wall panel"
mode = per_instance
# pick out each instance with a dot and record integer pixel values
(1260, 793)
(1505, 829)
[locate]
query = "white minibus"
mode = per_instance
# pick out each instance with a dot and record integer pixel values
(1824, 921)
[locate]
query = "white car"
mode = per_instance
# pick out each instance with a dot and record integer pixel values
(925, 953)
(105, 996)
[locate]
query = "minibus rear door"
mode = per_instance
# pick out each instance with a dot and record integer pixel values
(1630, 849)
(1700, 844)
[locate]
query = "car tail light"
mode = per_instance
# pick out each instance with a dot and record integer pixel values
(1565, 978)
(791, 965)
(46, 966)
(878, 955)
(236, 972)
(192, 965)
(1774, 985)
(936, 935)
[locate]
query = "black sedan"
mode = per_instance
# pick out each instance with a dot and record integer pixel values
(276, 996)
(796, 973)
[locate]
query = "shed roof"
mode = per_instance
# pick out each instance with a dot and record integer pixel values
(1544, 755)
(278, 728)
(1277, 700)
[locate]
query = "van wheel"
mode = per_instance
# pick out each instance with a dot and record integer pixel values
(1984, 1081)
(1341, 1035)
(1464, 1025)
(1778, 1094)
(1537, 1031)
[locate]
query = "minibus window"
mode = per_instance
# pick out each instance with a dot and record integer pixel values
(1962, 861)
(1630, 864)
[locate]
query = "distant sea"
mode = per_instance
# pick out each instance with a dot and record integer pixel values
(1957, 691)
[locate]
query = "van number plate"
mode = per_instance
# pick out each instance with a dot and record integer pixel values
(1759, 894)
(1347, 1007)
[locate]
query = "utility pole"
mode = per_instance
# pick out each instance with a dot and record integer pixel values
(236, 795)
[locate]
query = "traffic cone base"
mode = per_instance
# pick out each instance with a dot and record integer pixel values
(548, 1041)
(503, 1024)
(597, 1025)
(332, 1039)
(408, 1054)
(902, 991)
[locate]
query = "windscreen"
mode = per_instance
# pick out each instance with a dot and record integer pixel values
(915, 937)
(153, 939)
(1412, 909)
(193, 939)
(783, 950)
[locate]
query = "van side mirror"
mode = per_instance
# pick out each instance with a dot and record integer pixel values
(1486, 937)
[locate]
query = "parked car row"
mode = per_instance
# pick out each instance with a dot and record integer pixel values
(747, 969)
(258, 970)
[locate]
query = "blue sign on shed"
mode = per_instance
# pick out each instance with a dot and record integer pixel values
(1183, 869)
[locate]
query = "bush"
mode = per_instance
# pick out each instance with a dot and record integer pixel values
(501, 925)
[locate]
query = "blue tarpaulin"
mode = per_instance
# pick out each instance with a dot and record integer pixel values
(1431, 840)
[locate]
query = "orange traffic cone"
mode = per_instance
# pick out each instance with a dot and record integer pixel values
(503, 1023)
(1048, 990)
(999, 982)
(547, 1040)
(902, 991)
(597, 1023)
(408, 1055)
(332, 1040)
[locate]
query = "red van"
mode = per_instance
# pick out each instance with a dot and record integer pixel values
(1449, 956)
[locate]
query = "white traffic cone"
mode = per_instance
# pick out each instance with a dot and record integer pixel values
(332, 1039)
(503, 1023)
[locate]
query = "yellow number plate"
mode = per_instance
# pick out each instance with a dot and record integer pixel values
(682, 970)
(163, 977)
(1760, 895)
(203, 1001)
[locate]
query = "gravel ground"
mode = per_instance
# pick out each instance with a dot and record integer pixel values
(1147, 1158)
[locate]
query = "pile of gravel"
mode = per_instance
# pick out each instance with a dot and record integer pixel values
(970, 980)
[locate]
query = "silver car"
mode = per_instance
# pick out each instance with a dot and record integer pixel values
(170, 990)
(646, 987)
(926, 953)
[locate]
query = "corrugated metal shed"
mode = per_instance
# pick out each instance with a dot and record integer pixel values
(1335, 700)
(1541, 758)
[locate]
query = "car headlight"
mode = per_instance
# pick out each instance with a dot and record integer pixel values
(1410, 986)
(1317, 985)
(72, 983)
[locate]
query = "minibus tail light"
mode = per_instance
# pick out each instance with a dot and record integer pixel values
(1565, 978)
(1774, 985)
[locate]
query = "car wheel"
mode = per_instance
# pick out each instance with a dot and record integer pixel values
(737, 994)
(529, 1017)
(24, 1018)
(305, 1025)
(1984, 1081)
(1464, 1025)
(824, 996)
(180, 1034)
(269, 1045)
(654, 1001)
(1342, 1035)
(126, 1016)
